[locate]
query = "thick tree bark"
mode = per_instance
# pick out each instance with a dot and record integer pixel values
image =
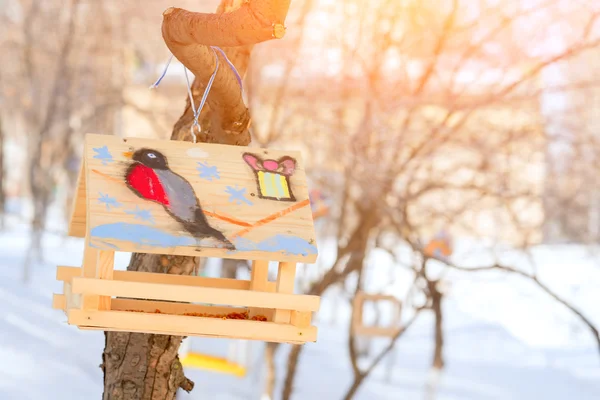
(144, 366)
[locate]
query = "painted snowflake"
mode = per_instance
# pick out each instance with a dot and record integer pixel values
(237, 195)
(103, 154)
(144, 215)
(208, 172)
(108, 201)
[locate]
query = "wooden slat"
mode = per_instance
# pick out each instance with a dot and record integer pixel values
(375, 331)
(232, 297)
(105, 269)
(190, 326)
(90, 302)
(59, 301)
(90, 268)
(285, 284)
(90, 261)
(67, 273)
(300, 319)
(259, 276)
(211, 252)
(163, 332)
(77, 221)
(167, 307)
(73, 300)
(259, 281)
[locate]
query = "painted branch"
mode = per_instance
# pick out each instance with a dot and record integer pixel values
(254, 22)
(188, 35)
(230, 116)
(225, 119)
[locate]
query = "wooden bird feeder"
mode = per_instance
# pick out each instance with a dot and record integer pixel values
(203, 200)
(358, 325)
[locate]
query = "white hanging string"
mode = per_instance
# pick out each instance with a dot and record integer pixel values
(196, 125)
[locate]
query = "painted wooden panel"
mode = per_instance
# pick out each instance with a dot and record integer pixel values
(171, 197)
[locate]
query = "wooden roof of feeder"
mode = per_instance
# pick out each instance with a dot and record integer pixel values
(171, 197)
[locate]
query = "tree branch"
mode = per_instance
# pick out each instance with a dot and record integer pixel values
(362, 375)
(254, 22)
(188, 35)
(545, 288)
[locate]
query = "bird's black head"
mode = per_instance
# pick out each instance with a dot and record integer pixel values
(151, 158)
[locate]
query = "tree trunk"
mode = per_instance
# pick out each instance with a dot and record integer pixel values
(40, 184)
(358, 380)
(436, 305)
(357, 248)
(288, 385)
(269, 390)
(144, 366)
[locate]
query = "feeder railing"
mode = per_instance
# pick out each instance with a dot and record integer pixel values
(68, 273)
(161, 291)
(160, 304)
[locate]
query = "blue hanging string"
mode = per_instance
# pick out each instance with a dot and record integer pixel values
(237, 75)
(160, 78)
(235, 72)
(195, 124)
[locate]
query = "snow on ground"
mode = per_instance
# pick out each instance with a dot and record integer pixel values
(504, 338)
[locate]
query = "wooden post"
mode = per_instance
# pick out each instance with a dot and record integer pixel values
(89, 268)
(285, 284)
(259, 278)
(301, 319)
(106, 265)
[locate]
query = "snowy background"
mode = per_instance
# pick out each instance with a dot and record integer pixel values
(504, 338)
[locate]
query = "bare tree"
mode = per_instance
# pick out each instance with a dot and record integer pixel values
(424, 147)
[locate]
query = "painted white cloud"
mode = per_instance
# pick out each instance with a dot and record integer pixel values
(197, 153)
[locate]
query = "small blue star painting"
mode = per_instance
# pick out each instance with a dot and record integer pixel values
(108, 201)
(237, 195)
(208, 172)
(144, 215)
(103, 154)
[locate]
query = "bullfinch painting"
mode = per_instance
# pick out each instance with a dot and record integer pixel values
(150, 178)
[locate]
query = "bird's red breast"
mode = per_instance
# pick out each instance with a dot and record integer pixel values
(145, 182)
